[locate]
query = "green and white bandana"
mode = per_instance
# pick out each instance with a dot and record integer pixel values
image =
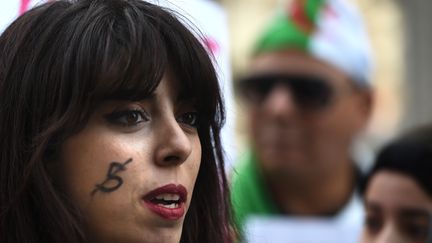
(330, 30)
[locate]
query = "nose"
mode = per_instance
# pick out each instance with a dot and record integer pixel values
(280, 102)
(174, 145)
(390, 235)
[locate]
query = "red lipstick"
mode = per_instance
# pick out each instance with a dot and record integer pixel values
(167, 201)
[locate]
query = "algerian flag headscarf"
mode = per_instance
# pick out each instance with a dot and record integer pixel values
(330, 30)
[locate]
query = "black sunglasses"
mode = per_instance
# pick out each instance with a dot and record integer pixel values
(309, 92)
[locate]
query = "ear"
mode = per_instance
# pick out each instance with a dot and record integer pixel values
(365, 100)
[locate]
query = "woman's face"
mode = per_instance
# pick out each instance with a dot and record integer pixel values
(397, 210)
(131, 170)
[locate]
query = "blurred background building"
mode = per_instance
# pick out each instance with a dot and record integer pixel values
(418, 61)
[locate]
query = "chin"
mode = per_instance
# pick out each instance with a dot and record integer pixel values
(286, 166)
(142, 234)
(171, 237)
(285, 159)
(168, 234)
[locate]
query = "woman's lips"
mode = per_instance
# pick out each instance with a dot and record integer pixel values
(167, 201)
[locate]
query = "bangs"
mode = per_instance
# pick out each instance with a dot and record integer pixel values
(125, 50)
(131, 48)
(192, 67)
(122, 52)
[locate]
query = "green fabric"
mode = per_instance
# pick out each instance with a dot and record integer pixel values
(282, 34)
(248, 192)
(313, 8)
(285, 32)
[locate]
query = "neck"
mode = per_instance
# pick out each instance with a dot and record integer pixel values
(321, 196)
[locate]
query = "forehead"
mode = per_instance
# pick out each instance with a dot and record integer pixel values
(294, 62)
(171, 87)
(394, 191)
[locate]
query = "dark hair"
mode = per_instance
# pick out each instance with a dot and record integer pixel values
(410, 155)
(57, 62)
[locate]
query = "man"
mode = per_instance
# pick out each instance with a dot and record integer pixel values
(309, 95)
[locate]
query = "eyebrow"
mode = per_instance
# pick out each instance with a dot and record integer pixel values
(150, 97)
(373, 206)
(407, 212)
(128, 97)
(185, 97)
(415, 213)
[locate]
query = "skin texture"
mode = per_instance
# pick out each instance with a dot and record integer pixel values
(164, 147)
(305, 148)
(397, 210)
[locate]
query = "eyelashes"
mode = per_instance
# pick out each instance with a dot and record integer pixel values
(415, 230)
(373, 224)
(133, 117)
(189, 118)
(127, 117)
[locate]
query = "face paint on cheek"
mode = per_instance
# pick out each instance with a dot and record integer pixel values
(113, 181)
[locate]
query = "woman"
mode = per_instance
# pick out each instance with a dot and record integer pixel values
(110, 116)
(398, 192)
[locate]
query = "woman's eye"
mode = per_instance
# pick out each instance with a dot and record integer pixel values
(127, 118)
(416, 232)
(189, 118)
(373, 224)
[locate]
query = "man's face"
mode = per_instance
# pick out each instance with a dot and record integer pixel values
(305, 116)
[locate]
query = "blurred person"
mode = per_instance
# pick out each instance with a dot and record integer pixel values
(110, 114)
(309, 95)
(398, 192)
